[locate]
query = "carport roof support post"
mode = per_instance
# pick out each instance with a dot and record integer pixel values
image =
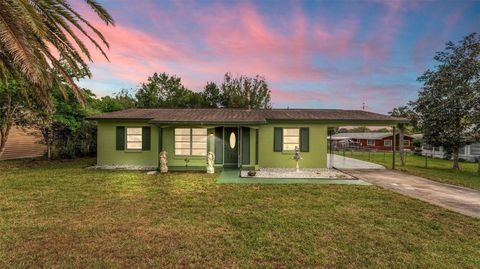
(393, 148)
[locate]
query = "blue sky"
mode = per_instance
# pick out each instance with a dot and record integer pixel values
(316, 54)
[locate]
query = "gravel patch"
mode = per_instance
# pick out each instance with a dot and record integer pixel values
(292, 173)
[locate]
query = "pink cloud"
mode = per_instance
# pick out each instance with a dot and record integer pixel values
(378, 44)
(234, 39)
(200, 43)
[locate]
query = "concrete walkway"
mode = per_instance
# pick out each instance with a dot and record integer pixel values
(341, 162)
(459, 199)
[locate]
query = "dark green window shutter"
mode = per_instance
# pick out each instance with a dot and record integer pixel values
(256, 146)
(304, 139)
(120, 138)
(245, 145)
(219, 145)
(277, 139)
(146, 138)
(160, 139)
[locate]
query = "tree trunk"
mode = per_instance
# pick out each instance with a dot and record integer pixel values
(49, 151)
(7, 122)
(4, 137)
(456, 166)
(3, 143)
(400, 144)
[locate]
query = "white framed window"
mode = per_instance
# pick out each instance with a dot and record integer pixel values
(387, 143)
(291, 139)
(191, 141)
(406, 143)
(134, 138)
(370, 142)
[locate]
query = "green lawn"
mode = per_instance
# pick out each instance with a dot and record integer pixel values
(438, 169)
(61, 215)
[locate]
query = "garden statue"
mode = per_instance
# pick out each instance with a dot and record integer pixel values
(210, 159)
(297, 158)
(163, 162)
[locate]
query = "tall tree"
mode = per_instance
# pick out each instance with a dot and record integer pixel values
(213, 98)
(63, 126)
(245, 92)
(119, 101)
(58, 124)
(36, 34)
(449, 101)
(163, 90)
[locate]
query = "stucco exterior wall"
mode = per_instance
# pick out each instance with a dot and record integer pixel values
(315, 158)
(106, 147)
(108, 155)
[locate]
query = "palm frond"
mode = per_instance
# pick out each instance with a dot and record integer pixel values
(30, 30)
(101, 12)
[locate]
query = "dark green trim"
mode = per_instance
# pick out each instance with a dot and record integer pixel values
(160, 139)
(304, 139)
(146, 138)
(277, 139)
(245, 145)
(120, 138)
(219, 145)
(256, 146)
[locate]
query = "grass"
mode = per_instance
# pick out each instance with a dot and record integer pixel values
(62, 215)
(438, 169)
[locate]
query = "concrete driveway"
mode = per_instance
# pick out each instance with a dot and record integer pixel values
(341, 162)
(459, 199)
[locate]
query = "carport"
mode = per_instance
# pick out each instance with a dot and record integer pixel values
(343, 162)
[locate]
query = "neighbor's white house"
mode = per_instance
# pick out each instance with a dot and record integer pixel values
(469, 152)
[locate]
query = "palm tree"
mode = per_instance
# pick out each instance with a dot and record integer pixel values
(40, 36)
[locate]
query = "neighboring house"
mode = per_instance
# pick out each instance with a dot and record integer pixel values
(468, 152)
(372, 140)
(22, 143)
(245, 138)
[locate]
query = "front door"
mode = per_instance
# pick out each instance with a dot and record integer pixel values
(231, 146)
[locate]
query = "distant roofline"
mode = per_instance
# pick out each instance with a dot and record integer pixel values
(379, 134)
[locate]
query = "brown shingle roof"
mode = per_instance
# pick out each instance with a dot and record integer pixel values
(230, 115)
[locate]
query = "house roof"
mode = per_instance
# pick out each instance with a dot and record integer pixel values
(371, 135)
(252, 116)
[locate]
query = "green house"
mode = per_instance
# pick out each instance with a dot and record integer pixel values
(241, 138)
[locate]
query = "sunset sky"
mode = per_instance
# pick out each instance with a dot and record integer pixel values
(315, 54)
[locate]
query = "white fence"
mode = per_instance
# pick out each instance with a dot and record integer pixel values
(469, 152)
